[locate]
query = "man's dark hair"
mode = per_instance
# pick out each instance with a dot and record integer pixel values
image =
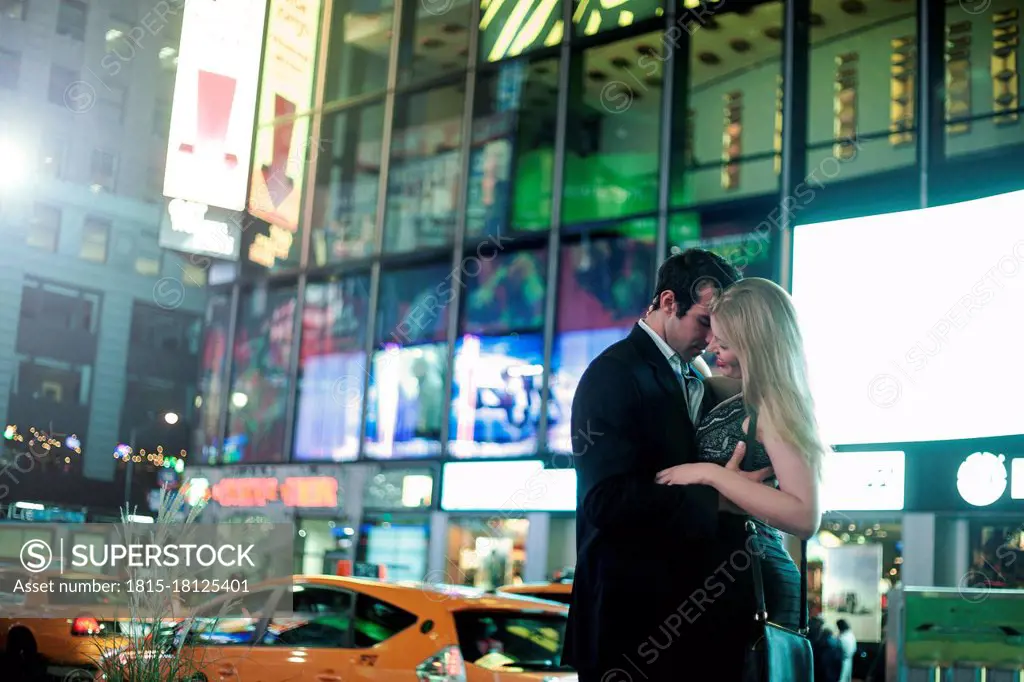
(842, 625)
(686, 274)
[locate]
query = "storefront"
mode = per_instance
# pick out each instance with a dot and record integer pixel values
(499, 518)
(395, 529)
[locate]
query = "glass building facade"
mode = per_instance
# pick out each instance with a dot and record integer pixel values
(487, 190)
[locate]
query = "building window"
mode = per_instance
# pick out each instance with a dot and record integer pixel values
(61, 80)
(10, 69)
(64, 307)
(103, 170)
(71, 19)
(15, 10)
(148, 263)
(111, 105)
(360, 35)
(51, 158)
(44, 230)
(95, 237)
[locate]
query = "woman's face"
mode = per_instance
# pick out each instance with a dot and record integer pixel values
(726, 361)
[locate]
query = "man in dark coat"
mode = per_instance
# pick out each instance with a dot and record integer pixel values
(642, 572)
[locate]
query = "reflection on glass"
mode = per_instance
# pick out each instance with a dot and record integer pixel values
(405, 401)
(863, 79)
(426, 171)
(727, 148)
(612, 147)
(591, 17)
(357, 56)
(509, 28)
(507, 294)
(513, 121)
(211, 377)
(259, 388)
(748, 250)
(496, 389)
(486, 553)
(983, 77)
(348, 178)
(332, 367)
(439, 40)
(413, 305)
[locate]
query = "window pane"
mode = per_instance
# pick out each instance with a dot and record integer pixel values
(259, 388)
(513, 122)
(10, 69)
(103, 170)
(591, 17)
(728, 143)
(505, 293)
(439, 43)
(983, 76)
(14, 10)
(377, 621)
(605, 285)
(426, 170)
(357, 54)
(320, 618)
(51, 157)
(612, 152)
(95, 235)
(347, 186)
(211, 375)
(863, 80)
(332, 363)
(496, 395)
(61, 80)
(536, 638)
(509, 29)
(44, 230)
(406, 401)
(71, 19)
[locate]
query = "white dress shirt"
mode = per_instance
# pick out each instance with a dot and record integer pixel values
(693, 387)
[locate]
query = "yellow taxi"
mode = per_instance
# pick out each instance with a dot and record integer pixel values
(59, 620)
(335, 629)
(558, 591)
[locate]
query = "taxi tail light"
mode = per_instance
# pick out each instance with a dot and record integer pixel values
(84, 627)
(445, 666)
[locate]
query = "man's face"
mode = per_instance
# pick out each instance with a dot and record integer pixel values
(690, 334)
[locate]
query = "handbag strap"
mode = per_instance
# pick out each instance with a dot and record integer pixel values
(761, 614)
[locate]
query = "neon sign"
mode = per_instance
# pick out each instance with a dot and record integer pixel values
(296, 491)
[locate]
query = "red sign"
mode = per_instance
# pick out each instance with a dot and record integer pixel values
(297, 491)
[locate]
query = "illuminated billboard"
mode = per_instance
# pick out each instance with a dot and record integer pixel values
(283, 143)
(208, 154)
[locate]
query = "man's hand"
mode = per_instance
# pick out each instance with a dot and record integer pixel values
(738, 454)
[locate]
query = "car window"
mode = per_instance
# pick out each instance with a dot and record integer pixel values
(320, 617)
(230, 621)
(377, 621)
(508, 640)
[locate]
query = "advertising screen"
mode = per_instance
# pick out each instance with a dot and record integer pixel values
(899, 310)
(507, 294)
(573, 352)
(413, 305)
(511, 487)
(208, 153)
(329, 407)
(405, 401)
(496, 395)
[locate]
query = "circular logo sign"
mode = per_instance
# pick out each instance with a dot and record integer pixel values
(981, 479)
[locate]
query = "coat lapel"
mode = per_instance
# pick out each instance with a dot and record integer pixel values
(663, 373)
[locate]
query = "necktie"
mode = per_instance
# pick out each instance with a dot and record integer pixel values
(693, 388)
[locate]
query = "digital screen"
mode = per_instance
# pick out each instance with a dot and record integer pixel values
(507, 294)
(212, 371)
(406, 401)
(604, 283)
(414, 305)
(508, 486)
(573, 352)
(895, 310)
(334, 317)
(496, 389)
(330, 407)
(864, 481)
(259, 390)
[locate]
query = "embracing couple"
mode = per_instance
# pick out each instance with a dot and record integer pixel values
(663, 587)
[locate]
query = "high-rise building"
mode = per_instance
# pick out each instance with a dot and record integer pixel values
(100, 328)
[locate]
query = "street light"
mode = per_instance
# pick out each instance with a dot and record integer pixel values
(170, 418)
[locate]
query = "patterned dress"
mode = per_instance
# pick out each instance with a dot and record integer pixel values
(718, 433)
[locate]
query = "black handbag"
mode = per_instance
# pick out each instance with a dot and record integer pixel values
(776, 654)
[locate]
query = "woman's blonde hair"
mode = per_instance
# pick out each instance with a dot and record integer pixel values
(758, 320)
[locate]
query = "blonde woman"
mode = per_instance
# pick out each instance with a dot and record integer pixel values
(761, 380)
